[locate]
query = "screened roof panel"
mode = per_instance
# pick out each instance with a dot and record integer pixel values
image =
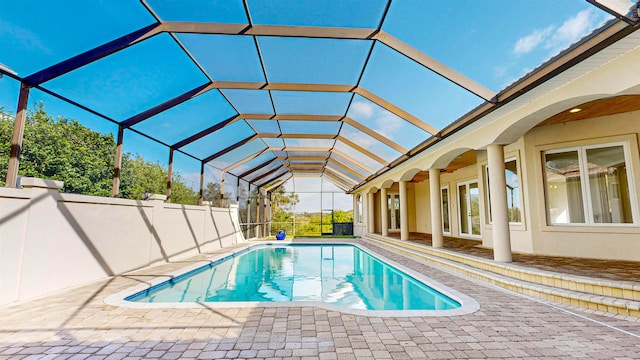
(222, 11)
(309, 127)
(340, 178)
(238, 154)
(285, 66)
(255, 162)
(314, 103)
(225, 57)
(278, 180)
(188, 118)
(258, 173)
(271, 177)
(333, 13)
(293, 161)
(369, 143)
(307, 60)
(525, 41)
(346, 172)
(132, 80)
(314, 143)
(265, 126)
(346, 162)
(415, 88)
(35, 35)
(219, 140)
(274, 142)
(249, 101)
(357, 156)
(297, 154)
(386, 123)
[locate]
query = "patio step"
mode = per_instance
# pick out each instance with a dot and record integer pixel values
(617, 297)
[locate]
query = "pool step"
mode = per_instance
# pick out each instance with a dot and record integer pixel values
(617, 297)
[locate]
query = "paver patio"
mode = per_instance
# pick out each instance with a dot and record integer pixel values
(77, 324)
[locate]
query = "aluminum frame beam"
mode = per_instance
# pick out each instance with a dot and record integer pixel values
(92, 55)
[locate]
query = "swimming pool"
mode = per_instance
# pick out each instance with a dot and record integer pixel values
(341, 276)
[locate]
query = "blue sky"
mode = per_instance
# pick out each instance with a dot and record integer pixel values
(493, 42)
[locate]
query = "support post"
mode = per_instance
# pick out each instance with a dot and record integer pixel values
(221, 189)
(437, 240)
(404, 211)
(371, 225)
(498, 203)
(117, 163)
(267, 227)
(18, 135)
(169, 174)
(201, 196)
(384, 216)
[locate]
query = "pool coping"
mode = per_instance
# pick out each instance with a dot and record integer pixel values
(468, 304)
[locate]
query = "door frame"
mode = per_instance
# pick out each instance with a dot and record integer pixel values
(468, 204)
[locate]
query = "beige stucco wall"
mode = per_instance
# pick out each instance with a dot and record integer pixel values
(50, 241)
(533, 235)
(614, 71)
(615, 242)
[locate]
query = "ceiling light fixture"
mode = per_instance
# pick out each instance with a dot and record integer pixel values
(575, 110)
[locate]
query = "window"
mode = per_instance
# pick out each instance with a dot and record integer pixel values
(444, 197)
(588, 185)
(359, 209)
(514, 209)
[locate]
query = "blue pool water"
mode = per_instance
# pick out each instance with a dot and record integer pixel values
(342, 275)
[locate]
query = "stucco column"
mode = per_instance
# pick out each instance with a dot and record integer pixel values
(404, 211)
(437, 240)
(384, 216)
(498, 203)
(370, 212)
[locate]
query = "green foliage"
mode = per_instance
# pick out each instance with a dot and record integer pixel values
(282, 199)
(63, 149)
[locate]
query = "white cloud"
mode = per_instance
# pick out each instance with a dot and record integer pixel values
(528, 43)
(556, 38)
(572, 30)
(26, 38)
(362, 109)
(388, 124)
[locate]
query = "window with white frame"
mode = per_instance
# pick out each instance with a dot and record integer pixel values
(589, 185)
(514, 208)
(444, 197)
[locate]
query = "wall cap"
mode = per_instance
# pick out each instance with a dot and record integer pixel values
(149, 196)
(32, 182)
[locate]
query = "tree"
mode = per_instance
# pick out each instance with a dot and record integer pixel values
(282, 199)
(63, 149)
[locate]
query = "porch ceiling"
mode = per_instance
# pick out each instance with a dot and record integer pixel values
(265, 90)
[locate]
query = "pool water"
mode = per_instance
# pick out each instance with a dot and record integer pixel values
(342, 275)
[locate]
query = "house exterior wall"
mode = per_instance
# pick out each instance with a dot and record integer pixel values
(596, 241)
(613, 72)
(50, 241)
(533, 234)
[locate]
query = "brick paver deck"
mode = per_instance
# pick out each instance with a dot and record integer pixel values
(77, 324)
